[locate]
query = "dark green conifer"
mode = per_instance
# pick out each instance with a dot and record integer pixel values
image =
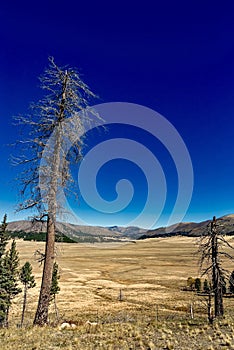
(27, 279)
(3, 273)
(54, 290)
(10, 264)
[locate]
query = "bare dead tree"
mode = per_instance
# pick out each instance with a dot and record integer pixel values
(212, 249)
(55, 129)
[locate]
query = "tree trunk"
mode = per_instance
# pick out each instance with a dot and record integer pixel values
(44, 298)
(216, 273)
(219, 300)
(7, 317)
(41, 316)
(24, 306)
(209, 311)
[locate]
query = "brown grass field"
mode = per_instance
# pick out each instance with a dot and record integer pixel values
(154, 312)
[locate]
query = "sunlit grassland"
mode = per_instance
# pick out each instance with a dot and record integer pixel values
(154, 313)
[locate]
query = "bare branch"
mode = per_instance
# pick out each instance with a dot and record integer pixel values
(40, 257)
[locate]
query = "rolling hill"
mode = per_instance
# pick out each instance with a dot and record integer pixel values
(78, 233)
(191, 229)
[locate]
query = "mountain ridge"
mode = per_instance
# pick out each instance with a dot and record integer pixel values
(73, 230)
(190, 229)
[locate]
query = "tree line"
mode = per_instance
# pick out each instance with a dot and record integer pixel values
(39, 236)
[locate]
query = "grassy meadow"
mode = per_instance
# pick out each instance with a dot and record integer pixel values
(154, 312)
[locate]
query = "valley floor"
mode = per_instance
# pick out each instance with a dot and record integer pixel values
(154, 312)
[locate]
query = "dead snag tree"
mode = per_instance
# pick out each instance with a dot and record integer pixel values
(213, 246)
(56, 121)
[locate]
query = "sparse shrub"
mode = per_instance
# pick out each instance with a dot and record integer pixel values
(191, 283)
(206, 286)
(197, 284)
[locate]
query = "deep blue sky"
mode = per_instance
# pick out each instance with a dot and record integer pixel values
(174, 57)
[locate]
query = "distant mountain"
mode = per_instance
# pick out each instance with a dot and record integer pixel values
(78, 233)
(130, 231)
(191, 229)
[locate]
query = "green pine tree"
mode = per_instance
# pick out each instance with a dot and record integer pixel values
(4, 304)
(11, 265)
(54, 290)
(3, 236)
(3, 272)
(27, 279)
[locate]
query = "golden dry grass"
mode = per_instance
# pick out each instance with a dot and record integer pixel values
(151, 275)
(148, 272)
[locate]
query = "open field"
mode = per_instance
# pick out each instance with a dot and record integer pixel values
(154, 313)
